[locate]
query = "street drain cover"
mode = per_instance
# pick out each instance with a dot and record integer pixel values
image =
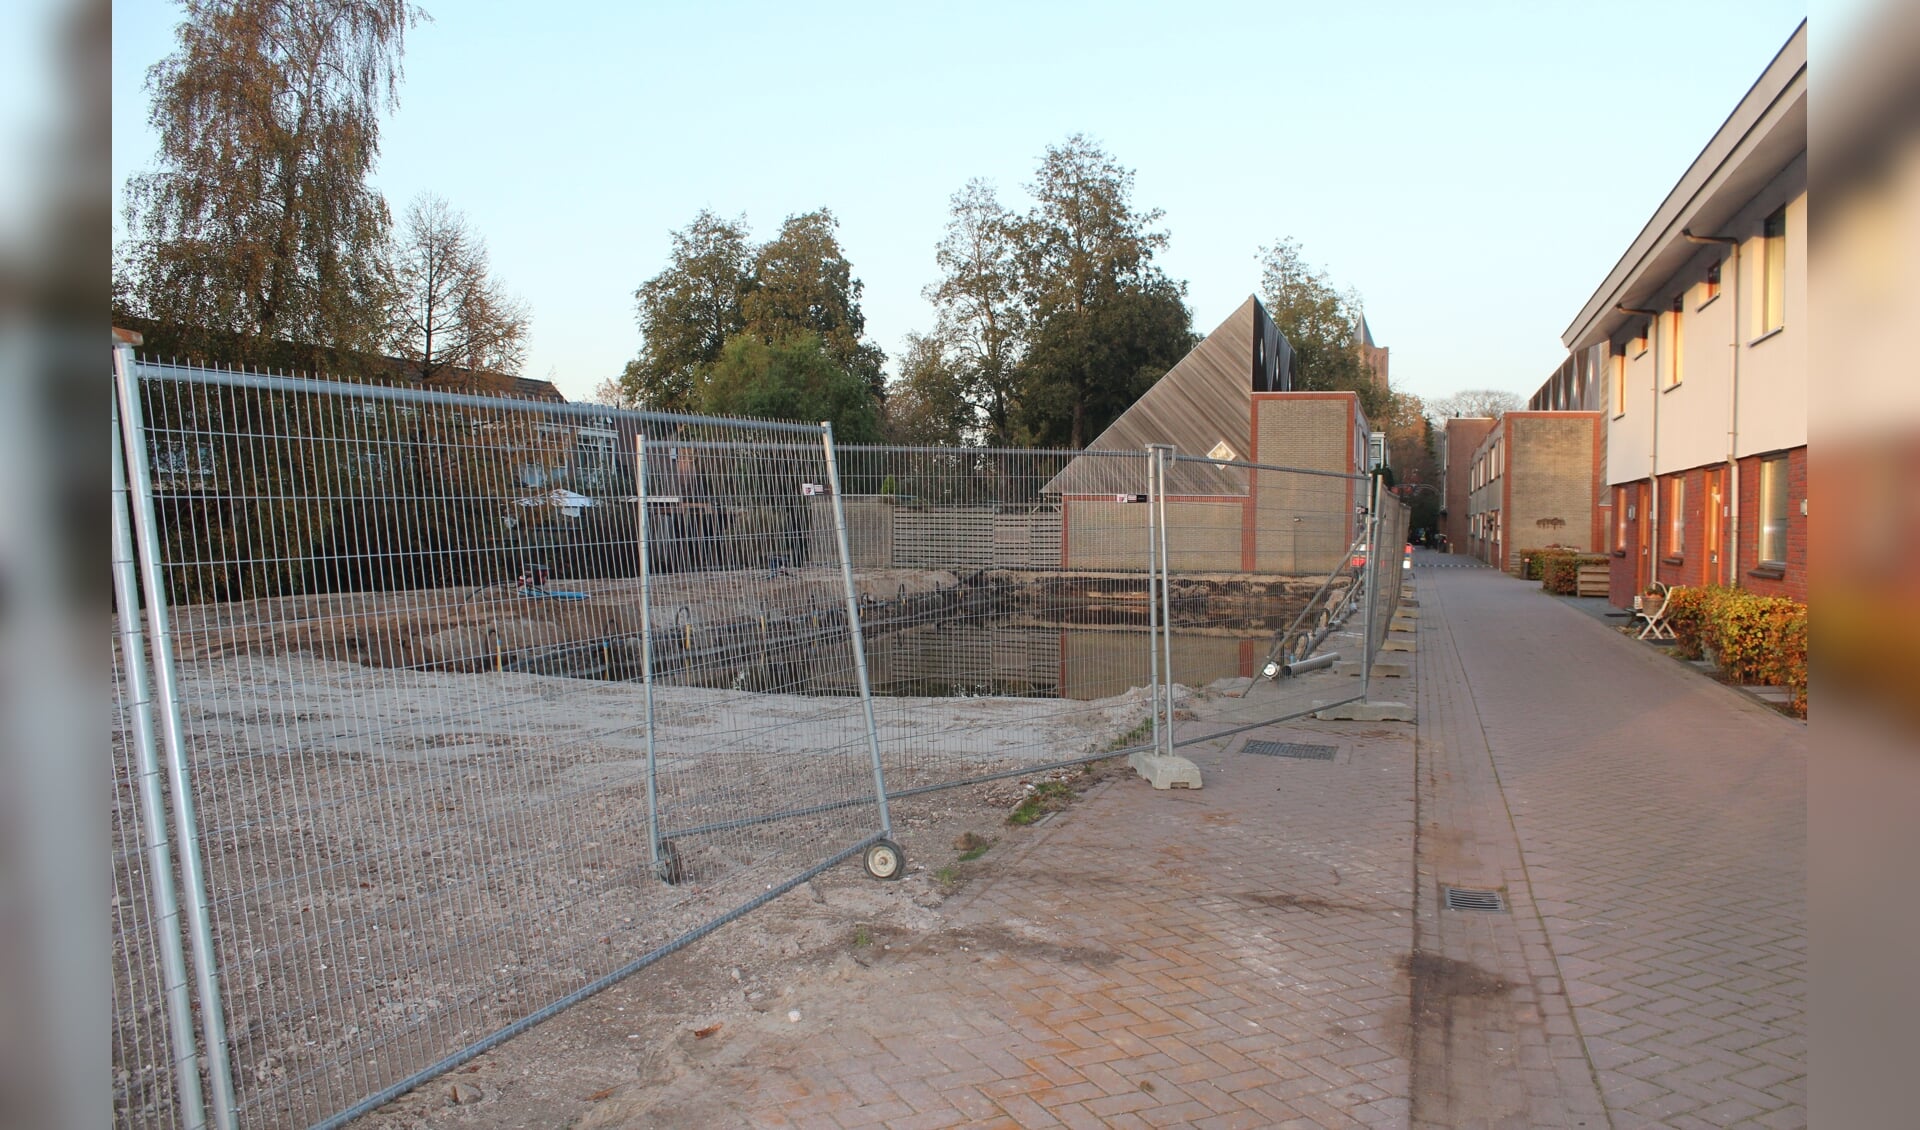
(1292, 749)
(1474, 898)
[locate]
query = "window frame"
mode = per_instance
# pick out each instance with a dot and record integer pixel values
(1672, 341)
(1709, 286)
(1770, 301)
(1769, 494)
(1676, 523)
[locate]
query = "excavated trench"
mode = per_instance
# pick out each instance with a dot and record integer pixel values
(928, 633)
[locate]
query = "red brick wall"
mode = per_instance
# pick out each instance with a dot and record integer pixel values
(1693, 566)
(1793, 582)
(1463, 436)
(1690, 566)
(1620, 576)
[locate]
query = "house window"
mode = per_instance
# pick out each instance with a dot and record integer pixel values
(1773, 511)
(1617, 373)
(1676, 517)
(1619, 517)
(1710, 286)
(1644, 341)
(1773, 272)
(1670, 342)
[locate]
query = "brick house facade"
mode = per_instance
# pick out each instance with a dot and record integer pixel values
(1695, 347)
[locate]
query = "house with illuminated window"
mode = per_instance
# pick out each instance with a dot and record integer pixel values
(1695, 348)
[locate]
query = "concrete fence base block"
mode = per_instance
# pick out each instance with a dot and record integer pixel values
(1408, 610)
(1397, 645)
(1164, 772)
(1367, 712)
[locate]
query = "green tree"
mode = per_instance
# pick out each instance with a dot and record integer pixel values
(803, 284)
(449, 312)
(259, 227)
(688, 311)
(978, 301)
(796, 379)
(927, 403)
(1319, 322)
(1106, 322)
(1084, 367)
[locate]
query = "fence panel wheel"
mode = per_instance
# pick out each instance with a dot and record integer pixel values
(884, 860)
(668, 867)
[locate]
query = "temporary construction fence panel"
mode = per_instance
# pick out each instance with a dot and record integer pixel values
(485, 703)
(403, 647)
(156, 1080)
(1261, 574)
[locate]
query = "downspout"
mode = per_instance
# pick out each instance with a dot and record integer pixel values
(1732, 547)
(1652, 548)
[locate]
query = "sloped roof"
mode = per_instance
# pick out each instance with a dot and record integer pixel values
(1200, 402)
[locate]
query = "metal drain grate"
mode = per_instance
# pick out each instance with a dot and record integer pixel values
(1300, 750)
(1474, 898)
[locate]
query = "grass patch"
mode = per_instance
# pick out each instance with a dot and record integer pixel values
(1135, 736)
(948, 877)
(974, 853)
(862, 936)
(1047, 796)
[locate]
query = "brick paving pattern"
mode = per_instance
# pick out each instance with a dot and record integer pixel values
(1649, 827)
(1228, 957)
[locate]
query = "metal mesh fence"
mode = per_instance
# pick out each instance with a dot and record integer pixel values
(147, 1088)
(1263, 576)
(403, 634)
(1003, 604)
(1390, 566)
(489, 702)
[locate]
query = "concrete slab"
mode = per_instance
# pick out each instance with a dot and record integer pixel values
(1368, 712)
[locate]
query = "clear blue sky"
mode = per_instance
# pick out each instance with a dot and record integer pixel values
(1473, 171)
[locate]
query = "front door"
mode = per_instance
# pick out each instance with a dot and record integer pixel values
(1643, 559)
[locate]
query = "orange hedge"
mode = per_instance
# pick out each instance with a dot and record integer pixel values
(1754, 639)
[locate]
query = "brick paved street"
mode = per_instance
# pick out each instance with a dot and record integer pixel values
(1272, 950)
(1226, 957)
(1649, 827)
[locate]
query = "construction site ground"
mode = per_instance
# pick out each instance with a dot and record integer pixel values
(1625, 945)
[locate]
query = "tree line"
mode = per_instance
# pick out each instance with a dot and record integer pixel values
(258, 240)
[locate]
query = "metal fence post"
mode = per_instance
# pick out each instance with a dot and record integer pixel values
(192, 871)
(1371, 585)
(1160, 454)
(1160, 743)
(153, 806)
(853, 629)
(646, 660)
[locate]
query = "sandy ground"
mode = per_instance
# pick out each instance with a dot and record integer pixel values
(645, 1053)
(401, 861)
